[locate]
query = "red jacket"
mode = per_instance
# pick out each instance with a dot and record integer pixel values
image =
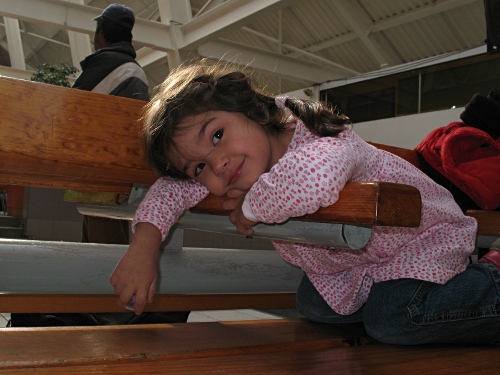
(469, 158)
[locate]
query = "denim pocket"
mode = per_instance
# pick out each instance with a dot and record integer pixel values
(472, 294)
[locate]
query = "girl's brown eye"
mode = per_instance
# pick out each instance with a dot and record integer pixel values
(217, 136)
(198, 169)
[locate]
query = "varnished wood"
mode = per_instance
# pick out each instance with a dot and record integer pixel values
(66, 138)
(404, 153)
(252, 347)
(361, 203)
(77, 346)
(488, 222)
(70, 303)
(369, 360)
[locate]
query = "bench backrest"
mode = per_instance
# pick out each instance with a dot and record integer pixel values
(72, 139)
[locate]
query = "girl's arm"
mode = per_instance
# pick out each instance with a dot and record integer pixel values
(136, 273)
(166, 201)
(302, 181)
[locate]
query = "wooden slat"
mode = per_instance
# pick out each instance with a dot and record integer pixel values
(62, 347)
(70, 303)
(488, 222)
(361, 203)
(300, 359)
(253, 347)
(66, 138)
(404, 153)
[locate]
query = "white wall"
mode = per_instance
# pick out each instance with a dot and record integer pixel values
(406, 131)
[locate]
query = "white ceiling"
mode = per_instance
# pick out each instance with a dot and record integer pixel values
(293, 44)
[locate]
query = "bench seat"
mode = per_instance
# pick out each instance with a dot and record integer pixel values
(280, 346)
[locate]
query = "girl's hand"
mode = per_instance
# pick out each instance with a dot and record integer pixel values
(234, 202)
(136, 272)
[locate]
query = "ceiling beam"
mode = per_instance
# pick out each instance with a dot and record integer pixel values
(214, 19)
(353, 14)
(416, 14)
(77, 17)
(230, 15)
(298, 51)
(147, 56)
(79, 43)
(210, 4)
(410, 16)
(173, 13)
(275, 63)
(14, 43)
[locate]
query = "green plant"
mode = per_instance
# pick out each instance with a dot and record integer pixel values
(54, 74)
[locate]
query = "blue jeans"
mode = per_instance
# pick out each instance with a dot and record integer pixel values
(409, 312)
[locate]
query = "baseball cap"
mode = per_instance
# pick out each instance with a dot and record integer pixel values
(119, 14)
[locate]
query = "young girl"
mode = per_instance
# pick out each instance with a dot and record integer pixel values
(208, 130)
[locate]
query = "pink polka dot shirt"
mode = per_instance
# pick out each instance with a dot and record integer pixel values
(309, 176)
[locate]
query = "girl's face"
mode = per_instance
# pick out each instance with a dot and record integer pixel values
(225, 150)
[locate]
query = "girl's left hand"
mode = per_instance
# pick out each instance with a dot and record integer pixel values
(234, 202)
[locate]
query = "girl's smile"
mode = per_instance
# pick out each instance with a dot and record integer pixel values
(226, 150)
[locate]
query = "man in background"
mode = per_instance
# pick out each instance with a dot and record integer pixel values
(112, 70)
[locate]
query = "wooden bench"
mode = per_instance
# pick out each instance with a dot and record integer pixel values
(62, 138)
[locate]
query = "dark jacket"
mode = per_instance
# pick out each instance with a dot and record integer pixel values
(114, 71)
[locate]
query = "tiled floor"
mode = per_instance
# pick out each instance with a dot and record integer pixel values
(231, 315)
(217, 315)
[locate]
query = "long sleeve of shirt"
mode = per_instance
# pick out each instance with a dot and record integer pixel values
(166, 201)
(309, 176)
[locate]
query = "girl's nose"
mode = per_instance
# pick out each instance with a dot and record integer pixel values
(220, 166)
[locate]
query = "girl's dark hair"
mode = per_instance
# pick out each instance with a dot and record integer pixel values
(113, 33)
(206, 86)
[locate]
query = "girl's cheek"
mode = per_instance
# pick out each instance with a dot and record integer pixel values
(204, 181)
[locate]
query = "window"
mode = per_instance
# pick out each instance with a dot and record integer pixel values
(431, 88)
